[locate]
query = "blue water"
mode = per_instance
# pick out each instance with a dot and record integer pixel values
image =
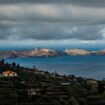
(86, 66)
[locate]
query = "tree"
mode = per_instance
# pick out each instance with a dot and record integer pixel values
(13, 64)
(3, 61)
(101, 88)
(73, 101)
(82, 101)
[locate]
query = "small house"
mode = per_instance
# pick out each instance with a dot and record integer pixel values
(92, 84)
(9, 73)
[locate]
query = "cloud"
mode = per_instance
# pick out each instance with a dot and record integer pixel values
(47, 20)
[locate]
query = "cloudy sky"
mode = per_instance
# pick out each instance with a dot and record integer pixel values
(52, 23)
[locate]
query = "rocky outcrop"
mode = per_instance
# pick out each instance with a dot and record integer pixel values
(38, 52)
(76, 52)
(44, 52)
(100, 52)
(83, 52)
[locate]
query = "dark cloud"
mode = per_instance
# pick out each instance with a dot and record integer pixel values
(73, 15)
(32, 1)
(52, 19)
(49, 31)
(37, 1)
(96, 3)
(89, 3)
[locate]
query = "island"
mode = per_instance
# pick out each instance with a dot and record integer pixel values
(76, 52)
(45, 52)
(37, 52)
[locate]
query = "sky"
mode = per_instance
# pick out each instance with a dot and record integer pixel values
(57, 23)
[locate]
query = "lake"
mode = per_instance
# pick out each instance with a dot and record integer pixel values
(86, 66)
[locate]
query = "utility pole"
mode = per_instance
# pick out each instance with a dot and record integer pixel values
(34, 72)
(55, 73)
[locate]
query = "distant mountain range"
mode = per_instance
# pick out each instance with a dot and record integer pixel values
(44, 52)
